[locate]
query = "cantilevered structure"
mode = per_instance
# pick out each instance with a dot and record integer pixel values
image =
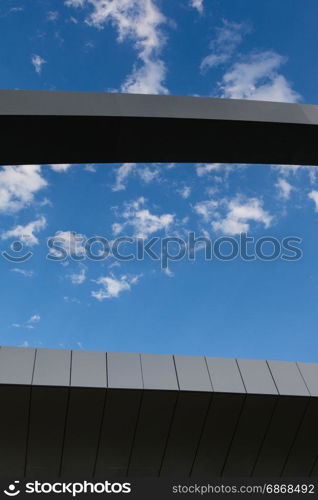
(95, 414)
(83, 127)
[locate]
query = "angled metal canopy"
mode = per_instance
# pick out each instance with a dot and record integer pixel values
(81, 127)
(96, 414)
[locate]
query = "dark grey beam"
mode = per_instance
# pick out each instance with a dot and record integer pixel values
(76, 127)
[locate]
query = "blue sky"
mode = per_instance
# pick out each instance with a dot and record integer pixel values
(259, 309)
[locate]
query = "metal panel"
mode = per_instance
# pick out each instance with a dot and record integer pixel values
(46, 431)
(309, 372)
(52, 371)
(217, 435)
(280, 435)
(304, 451)
(118, 429)
(124, 371)
(88, 369)
(156, 411)
(288, 379)
(225, 375)
(187, 425)
(256, 377)
(84, 419)
(159, 372)
(52, 367)
(251, 429)
(192, 373)
(16, 365)
(15, 403)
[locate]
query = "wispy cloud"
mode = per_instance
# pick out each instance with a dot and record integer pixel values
(27, 233)
(60, 167)
(197, 4)
(141, 220)
(127, 170)
(185, 192)
(112, 287)
(139, 21)
(52, 15)
(37, 62)
(78, 278)
(29, 324)
(223, 46)
(258, 77)
(23, 272)
(284, 188)
(313, 195)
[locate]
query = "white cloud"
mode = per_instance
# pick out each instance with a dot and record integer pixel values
(313, 195)
(90, 167)
(207, 209)
(287, 170)
(60, 167)
(138, 21)
(112, 287)
(29, 324)
(37, 62)
(197, 4)
(52, 15)
(239, 214)
(69, 241)
(78, 278)
(24, 272)
(126, 170)
(18, 185)
(206, 168)
(122, 174)
(185, 192)
(26, 233)
(284, 187)
(141, 220)
(34, 319)
(147, 79)
(228, 37)
(258, 78)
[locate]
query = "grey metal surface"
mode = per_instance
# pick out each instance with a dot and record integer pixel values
(256, 377)
(16, 365)
(225, 375)
(192, 373)
(309, 372)
(288, 379)
(159, 415)
(124, 370)
(109, 127)
(89, 369)
(159, 372)
(52, 367)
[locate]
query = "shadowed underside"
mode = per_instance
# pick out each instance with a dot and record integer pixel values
(90, 414)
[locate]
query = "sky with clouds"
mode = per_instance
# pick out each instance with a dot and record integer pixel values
(242, 308)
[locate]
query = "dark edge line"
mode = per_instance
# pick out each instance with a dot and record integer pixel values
(269, 422)
(177, 393)
(101, 421)
(29, 418)
(302, 418)
(141, 397)
(236, 425)
(66, 415)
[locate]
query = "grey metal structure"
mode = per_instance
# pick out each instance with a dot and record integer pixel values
(84, 127)
(96, 414)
